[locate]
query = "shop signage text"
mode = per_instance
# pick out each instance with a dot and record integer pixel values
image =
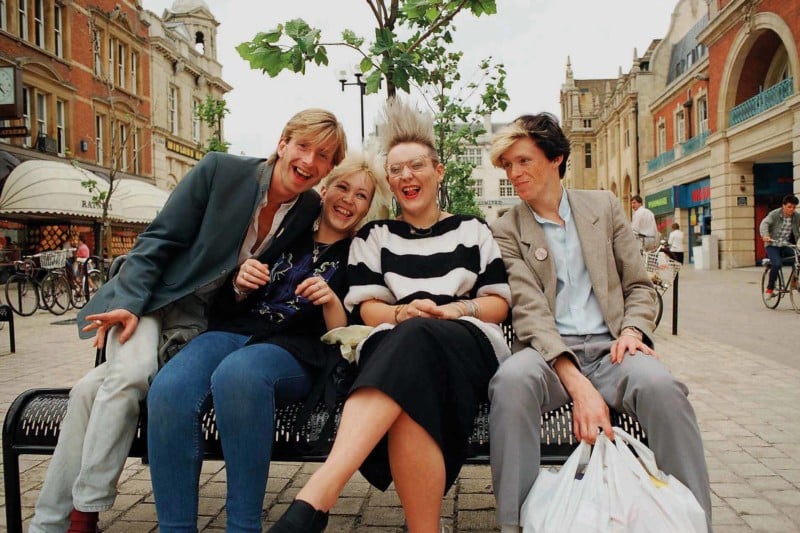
(14, 131)
(183, 149)
(88, 204)
(701, 195)
(661, 202)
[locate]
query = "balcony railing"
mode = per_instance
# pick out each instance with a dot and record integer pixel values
(762, 101)
(664, 158)
(695, 143)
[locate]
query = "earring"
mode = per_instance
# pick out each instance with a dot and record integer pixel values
(441, 197)
(395, 206)
(315, 225)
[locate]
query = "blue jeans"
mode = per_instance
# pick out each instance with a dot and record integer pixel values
(247, 382)
(776, 255)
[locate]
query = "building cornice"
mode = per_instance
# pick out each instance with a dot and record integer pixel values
(734, 13)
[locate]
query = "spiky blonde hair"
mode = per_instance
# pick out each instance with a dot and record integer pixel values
(400, 123)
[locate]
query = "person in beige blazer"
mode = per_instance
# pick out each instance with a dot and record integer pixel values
(583, 309)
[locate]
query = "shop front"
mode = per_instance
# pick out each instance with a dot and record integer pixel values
(44, 206)
(662, 204)
(695, 198)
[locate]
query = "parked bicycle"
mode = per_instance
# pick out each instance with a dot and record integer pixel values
(34, 286)
(661, 268)
(84, 279)
(783, 284)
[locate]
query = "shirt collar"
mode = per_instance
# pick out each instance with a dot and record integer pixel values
(564, 210)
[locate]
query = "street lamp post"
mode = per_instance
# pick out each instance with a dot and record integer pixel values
(362, 85)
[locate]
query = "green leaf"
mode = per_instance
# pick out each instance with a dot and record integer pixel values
(431, 14)
(350, 37)
(374, 81)
(384, 40)
(365, 65)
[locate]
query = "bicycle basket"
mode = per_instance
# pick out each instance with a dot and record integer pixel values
(53, 259)
(661, 268)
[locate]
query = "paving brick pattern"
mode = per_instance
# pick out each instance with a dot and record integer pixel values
(746, 403)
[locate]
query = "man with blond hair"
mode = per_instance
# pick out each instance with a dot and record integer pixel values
(225, 210)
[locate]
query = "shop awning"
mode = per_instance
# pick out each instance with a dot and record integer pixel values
(54, 188)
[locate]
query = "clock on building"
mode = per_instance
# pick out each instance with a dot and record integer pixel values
(10, 92)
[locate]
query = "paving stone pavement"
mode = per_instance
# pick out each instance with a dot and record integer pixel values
(746, 404)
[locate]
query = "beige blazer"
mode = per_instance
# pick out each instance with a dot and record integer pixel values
(611, 252)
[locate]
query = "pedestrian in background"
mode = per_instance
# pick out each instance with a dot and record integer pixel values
(675, 243)
(778, 229)
(643, 223)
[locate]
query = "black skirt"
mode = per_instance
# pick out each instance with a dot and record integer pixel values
(438, 371)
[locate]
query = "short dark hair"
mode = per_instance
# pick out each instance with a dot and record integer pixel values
(790, 199)
(637, 198)
(543, 129)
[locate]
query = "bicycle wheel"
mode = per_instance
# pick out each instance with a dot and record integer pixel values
(794, 290)
(660, 303)
(21, 294)
(79, 294)
(777, 293)
(92, 282)
(56, 293)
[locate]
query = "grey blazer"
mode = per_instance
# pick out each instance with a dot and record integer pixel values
(619, 280)
(196, 238)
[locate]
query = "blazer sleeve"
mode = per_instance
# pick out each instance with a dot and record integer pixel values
(174, 228)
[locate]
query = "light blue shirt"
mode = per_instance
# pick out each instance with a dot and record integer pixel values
(577, 309)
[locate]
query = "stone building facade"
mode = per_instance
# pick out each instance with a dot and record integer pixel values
(716, 107)
(183, 43)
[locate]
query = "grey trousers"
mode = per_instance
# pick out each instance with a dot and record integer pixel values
(640, 385)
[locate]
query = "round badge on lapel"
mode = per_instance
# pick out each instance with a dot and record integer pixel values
(540, 254)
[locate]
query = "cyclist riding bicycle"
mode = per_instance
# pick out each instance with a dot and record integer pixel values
(777, 229)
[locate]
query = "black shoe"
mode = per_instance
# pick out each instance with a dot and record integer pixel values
(300, 517)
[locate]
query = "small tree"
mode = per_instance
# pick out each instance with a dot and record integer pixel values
(211, 112)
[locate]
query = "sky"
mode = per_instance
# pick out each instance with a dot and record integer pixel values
(532, 38)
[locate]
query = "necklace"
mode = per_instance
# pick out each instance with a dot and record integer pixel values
(424, 232)
(319, 248)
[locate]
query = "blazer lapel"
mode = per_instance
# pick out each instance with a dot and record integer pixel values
(532, 235)
(594, 245)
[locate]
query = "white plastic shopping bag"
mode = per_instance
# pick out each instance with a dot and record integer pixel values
(573, 499)
(654, 502)
(608, 489)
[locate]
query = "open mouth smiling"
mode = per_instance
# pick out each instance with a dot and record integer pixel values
(411, 191)
(342, 211)
(303, 174)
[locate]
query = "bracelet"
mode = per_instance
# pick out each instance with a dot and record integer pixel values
(397, 310)
(463, 306)
(629, 332)
(472, 308)
(237, 290)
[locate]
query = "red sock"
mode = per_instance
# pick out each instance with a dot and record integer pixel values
(80, 522)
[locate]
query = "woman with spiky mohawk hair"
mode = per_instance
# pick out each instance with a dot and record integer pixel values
(434, 287)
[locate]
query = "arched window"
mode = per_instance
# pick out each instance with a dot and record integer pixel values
(200, 42)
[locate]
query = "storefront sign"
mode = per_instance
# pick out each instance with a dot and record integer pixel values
(14, 131)
(661, 202)
(695, 193)
(183, 149)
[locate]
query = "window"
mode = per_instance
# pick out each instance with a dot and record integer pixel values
(61, 137)
(172, 109)
(58, 36)
(702, 115)
(662, 137)
(23, 20)
(135, 146)
(26, 114)
(587, 155)
(41, 115)
(587, 123)
(195, 120)
(98, 66)
(690, 57)
(98, 139)
(121, 53)
(134, 72)
(506, 189)
(680, 127)
(472, 155)
(612, 141)
(122, 147)
(38, 23)
(477, 186)
(110, 68)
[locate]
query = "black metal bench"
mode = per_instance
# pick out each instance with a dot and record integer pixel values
(33, 422)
